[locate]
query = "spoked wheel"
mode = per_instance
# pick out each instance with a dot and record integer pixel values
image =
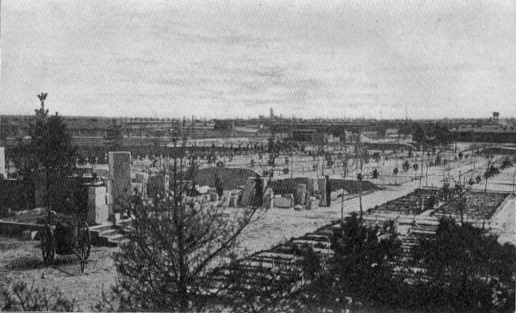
(48, 247)
(84, 244)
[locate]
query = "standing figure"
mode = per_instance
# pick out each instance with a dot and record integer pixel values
(328, 190)
(219, 186)
(258, 195)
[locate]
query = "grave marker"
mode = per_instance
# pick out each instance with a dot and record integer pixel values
(268, 198)
(98, 210)
(2, 162)
(224, 200)
(120, 177)
(311, 187)
(155, 185)
(301, 194)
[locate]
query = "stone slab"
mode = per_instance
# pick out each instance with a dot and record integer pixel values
(283, 202)
(268, 198)
(224, 200)
(336, 195)
(248, 192)
(312, 203)
(141, 178)
(298, 207)
(98, 210)
(155, 185)
(214, 196)
(233, 201)
(311, 187)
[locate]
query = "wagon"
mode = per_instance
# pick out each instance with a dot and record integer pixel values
(66, 238)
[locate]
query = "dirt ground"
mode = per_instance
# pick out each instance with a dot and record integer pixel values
(22, 259)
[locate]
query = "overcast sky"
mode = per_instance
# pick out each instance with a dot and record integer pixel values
(223, 58)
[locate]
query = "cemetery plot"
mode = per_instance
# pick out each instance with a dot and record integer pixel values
(479, 205)
(414, 203)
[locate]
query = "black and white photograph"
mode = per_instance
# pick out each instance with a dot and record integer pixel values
(233, 156)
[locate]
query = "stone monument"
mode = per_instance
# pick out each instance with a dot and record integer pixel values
(2, 162)
(120, 179)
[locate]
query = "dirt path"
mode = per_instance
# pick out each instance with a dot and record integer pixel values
(282, 224)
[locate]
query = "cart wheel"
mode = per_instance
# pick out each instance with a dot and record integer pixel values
(48, 248)
(84, 244)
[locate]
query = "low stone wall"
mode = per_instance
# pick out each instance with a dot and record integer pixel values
(17, 229)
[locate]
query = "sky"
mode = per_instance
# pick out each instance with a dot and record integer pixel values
(229, 58)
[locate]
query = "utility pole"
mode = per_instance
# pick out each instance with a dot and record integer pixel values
(344, 174)
(422, 164)
(359, 157)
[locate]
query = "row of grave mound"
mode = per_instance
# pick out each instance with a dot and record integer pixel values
(281, 265)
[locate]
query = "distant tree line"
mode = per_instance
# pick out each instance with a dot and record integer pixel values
(431, 134)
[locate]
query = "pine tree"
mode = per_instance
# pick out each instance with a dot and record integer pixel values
(48, 157)
(173, 244)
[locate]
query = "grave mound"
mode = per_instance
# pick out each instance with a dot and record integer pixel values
(231, 178)
(289, 185)
(352, 186)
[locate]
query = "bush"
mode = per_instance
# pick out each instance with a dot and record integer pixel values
(20, 297)
(464, 270)
(507, 162)
(363, 261)
(468, 268)
(492, 171)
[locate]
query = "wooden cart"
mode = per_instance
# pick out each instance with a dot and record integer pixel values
(66, 239)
